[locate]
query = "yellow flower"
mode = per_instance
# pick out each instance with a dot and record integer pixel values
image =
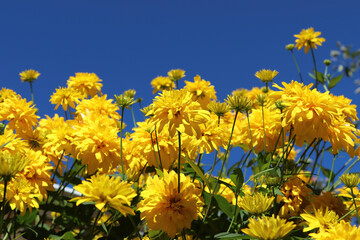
(99, 106)
(11, 163)
(66, 97)
(307, 38)
(323, 219)
(177, 109)
(295, 194)
(157, 148)
(202, 91)
(257, 203)
(7, 93)
(212, 137)
(106, 191)
(29, 75)
(86, 83)
(164, 208)
(20, 195)
(20, 114)
(348, 199)
(162, 83)
(342, 231)
(350, 180)
(176, 74)
(268, 228)
(96, 143)
(219, 109)
(266, 75)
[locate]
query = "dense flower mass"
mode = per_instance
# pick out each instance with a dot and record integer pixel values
(183, 171)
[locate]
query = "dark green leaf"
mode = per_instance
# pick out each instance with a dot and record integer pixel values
(319, 76)
(227, 235)
(198, 171)
(335, 81)
(225, 206)
(159, 172)
(237, 177)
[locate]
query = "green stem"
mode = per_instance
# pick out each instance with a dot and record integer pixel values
(134, 226)
(121, 144)
(32, 92)
(198, 164)
(133, 116)
(222, 166)
(3, 205)
(251, 138)
(179, 162)
(94, 225)
(297, 66)
(153, 146)
(331, 173)
(313, 57)
(158, 148)
(353, 198)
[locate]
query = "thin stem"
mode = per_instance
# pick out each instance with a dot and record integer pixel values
(3, 205)
(179, 161)
(331, 173)
(263, 118)
(94, 225)
(222, 166)
(133, 116)
(32, 92)
(251, 138)
(158, 148)
(313, 57)
(153, 146)
(121, 144)
(135, 227)
(198, 164)
(297, 66)
(353, 198)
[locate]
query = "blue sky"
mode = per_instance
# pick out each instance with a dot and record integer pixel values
(128, 43)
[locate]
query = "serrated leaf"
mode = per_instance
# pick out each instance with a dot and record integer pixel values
(335, 81)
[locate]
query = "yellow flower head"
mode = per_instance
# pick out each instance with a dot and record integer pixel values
(350, 180)
(106, 192)
(11, 163)
(29, 75)
(202, 91)
(266, 75)
(212, 137)
(342, 231)
(20, 114)
(323, 219)
(7, 93)
(268, 228)
(176, 74)
(86, 83)
(162, 83)
(66, 97)
(21, 195)
(177, 109)
(307, 38)
(100, 106)
(295, 194)
(257, 203)
(218, 108)
(164, 208)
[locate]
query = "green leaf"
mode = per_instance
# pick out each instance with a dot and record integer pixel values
(327, 172)
(157, 235)
(159, 172)
(198, 172)
(335, 81)
(278, 192)
(224, 205)
(319, 76)
(237, 177)
(227, 235)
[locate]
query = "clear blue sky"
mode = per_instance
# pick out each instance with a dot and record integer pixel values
(128, 43)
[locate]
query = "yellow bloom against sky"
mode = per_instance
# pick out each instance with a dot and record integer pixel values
(307, 39)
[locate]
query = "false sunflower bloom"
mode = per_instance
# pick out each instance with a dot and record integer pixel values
(20, 114)
(66, 97)
(266, 75)
(87, 83)
(7, 93)
(161, 83)
(257, 203)
(345, 193)
(20, 194)
(202, 91)
(307, 39)
(295, 197)
(11, 143)
(97, 144)
(177, 109)
(176, 74)
(164, 208)
(323, 219)
(11, 164)
(342, 231)
(99, 106)
(268, 228)
(156, 147)
(106, 192)
(29, 75)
